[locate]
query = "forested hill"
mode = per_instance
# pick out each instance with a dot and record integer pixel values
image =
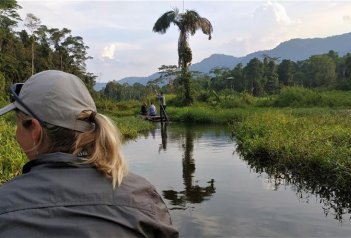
(295, 50)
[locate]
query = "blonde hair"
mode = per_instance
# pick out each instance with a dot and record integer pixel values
(101, 146)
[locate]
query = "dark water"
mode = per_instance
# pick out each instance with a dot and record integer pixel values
(213, 192)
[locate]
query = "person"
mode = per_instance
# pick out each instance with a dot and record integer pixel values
(162, 101)
(76, 182)
(143, 110)
(152, 110)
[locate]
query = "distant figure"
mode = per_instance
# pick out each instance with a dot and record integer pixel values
(143, 109)
(152, 110)
(162, 100)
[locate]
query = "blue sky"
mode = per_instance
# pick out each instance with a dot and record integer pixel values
(122, 44)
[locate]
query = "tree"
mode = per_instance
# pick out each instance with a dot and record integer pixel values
(344, 72)
(75, 54)
(271, 78)
(57, 36)
(238, 76)
(253, 76)
(188, 23)
(33, 23)
(286, 72)
(8, 19)
(167, 73)
(321, 69)
(221, 79)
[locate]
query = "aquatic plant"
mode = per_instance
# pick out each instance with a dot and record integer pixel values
(316, 144)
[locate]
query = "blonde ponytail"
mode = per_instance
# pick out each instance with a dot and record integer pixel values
(102, 147)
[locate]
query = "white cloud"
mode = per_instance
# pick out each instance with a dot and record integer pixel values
(109, 51)
(280, 13)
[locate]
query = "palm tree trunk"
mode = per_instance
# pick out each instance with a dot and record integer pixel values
(32, 58)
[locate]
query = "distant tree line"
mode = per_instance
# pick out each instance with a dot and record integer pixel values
(267, 77)
(257, 77)
(38, 48)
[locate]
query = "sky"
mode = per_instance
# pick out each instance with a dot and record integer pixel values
(121, 41)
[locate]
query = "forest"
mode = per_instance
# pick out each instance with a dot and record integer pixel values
(37, 48)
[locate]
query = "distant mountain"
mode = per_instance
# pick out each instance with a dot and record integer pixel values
(129, 80)
(294, 49)
(141, 80)
(99, 86)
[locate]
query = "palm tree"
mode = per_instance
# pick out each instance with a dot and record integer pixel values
(188, 23)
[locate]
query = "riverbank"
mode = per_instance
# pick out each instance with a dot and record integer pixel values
(310, 146)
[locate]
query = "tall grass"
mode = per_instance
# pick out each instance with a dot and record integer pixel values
(118, 109)
(131, 126)
(308, 143)
(202, 114)
(303, 97)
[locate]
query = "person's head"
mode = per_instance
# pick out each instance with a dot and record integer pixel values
(56, 113)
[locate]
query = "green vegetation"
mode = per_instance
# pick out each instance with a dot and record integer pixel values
(131, 126)
(24, 53)
(302, 97)
(259, 78)
(11, 156)
(312, 150)
(295, 139)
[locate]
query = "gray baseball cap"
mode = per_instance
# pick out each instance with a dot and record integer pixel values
(55, 97)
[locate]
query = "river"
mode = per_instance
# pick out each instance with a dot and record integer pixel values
(212, 191)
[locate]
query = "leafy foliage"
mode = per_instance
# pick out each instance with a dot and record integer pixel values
(11, 157)
(23, 54)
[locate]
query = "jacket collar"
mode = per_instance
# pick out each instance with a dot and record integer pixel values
(57, 159)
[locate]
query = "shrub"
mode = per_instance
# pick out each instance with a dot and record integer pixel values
(297, 97)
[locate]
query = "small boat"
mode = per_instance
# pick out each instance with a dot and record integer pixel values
(153, 118)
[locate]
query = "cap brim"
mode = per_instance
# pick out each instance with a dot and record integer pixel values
(7, 109)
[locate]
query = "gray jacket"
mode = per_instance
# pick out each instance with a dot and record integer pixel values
(57, 197)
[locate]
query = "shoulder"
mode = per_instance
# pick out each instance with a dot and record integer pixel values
(137, 186)
(12, 192)
(137, 192)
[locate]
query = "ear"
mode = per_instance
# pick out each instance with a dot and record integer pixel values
(36, 131)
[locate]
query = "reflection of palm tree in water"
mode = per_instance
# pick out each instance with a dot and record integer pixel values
(193, 193)
(163, 137)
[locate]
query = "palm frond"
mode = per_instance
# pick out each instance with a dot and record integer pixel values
(189, 21)
(163, 23)
(205, 25)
